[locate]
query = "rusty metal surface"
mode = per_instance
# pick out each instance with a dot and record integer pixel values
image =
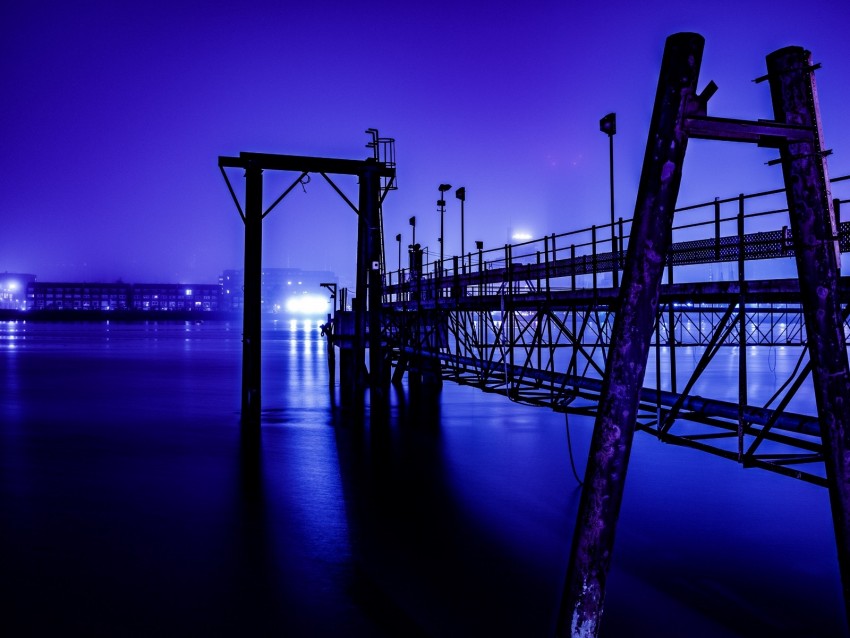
(794, 94)
(590, 554)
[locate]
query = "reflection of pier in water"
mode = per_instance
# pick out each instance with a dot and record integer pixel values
(546, 323)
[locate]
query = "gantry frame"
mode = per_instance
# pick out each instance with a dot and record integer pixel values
(367, 308)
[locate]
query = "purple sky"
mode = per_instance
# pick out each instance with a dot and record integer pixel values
(113, 118)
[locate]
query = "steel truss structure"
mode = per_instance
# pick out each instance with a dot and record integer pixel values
(523, 327)
(553, 354)
(507, 334)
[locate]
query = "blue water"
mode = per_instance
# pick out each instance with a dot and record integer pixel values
(132, 504)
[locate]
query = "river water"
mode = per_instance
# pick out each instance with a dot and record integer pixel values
(131, 503)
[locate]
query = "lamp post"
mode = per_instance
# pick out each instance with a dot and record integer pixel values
(412, 221)
(460, 193)
(442, 204)
(608, 125)
(398, 239)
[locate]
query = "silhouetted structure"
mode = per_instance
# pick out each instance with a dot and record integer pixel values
(376, 177)
(446, 320)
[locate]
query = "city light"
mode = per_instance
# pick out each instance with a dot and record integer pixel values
(521, 236)
(307, 305)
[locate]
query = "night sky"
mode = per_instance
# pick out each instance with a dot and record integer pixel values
(113, 117)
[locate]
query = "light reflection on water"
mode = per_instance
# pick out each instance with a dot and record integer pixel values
(135, 503)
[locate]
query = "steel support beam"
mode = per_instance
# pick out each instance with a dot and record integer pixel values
(795, 102)
(370, 223)
(599, 508)
(251, 317)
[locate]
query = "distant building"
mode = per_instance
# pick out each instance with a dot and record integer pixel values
(46, 295)
(203, 297)
(283, 290)
(13, 290)
(120, 296)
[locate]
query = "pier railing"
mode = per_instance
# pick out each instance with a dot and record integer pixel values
(756, 229)
(534, 320)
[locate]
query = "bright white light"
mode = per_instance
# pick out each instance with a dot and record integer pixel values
(13, 285)
(521, 236)
(307, 305)
(188, 292)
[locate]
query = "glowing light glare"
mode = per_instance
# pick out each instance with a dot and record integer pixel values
(188, 292)
(521, 236)
(307, 305)
(12, 285)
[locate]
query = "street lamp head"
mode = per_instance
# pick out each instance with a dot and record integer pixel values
(398, 237)
(608, 124)
(460, 193)
(444, 187)
(479, 245)
(441, 203)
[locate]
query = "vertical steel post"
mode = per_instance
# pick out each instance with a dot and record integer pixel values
(716, 229)
(615, 275)
(742, 330)
(369, 206)
(356, 365)
(620, 242)
(573, 268)
(794, 95)
(252, 300)
(599, 508)
(671, 329)
(593, 254)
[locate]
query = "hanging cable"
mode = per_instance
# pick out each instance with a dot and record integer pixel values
(570, 448)
(304, 181)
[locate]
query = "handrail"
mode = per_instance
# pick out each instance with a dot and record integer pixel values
(550, 247)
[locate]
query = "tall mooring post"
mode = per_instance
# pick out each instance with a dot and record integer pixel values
(369, 283)
(252, 299)
(814, 233)
(679, 114)
(599, 508)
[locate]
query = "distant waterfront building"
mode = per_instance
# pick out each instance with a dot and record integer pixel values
(283, 290)
(120, 296)
(13, 290)
(204, 297)
(47, 295)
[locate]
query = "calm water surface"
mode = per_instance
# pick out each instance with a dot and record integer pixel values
(132, 504)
